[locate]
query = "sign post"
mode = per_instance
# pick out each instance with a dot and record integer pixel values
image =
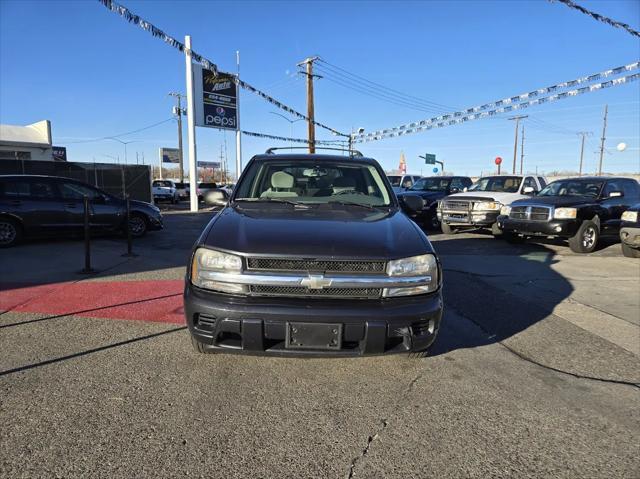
(191, 128)
(498, 161)
(238, 132)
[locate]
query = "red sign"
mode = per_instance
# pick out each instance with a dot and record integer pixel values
(498, 160)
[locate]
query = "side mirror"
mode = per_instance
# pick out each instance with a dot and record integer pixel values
(528, 190)
(412, 203)
(616, 194)
(216, 198)
(454, 190)
(465, 189)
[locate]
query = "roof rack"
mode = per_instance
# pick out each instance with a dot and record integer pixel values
(352, 152)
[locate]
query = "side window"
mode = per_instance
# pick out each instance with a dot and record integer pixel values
(530, 181)
(75, 191)
(457, 183)
(630, 189)
(543, 183)
(14, 189)
(611, 186)
(41, 190)
(407, 182)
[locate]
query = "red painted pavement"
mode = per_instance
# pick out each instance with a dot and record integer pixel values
(157, 301)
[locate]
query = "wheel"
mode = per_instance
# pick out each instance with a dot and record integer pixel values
(586, 238)
(495, 231)
(447, 229)
(10, 232)
(630, 252)
(137, 225)
(513, 238)
(200, 347)
(418, 354)
(433, 223)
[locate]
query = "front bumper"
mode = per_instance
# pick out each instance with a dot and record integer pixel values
(155, 223)
(630, 236)
(473, 218)
(556, 228)
(258, 325)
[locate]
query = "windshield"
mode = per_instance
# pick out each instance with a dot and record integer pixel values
(312, 182)
(431, 184)
(501, 184)
(573, 188)
(395, 180)
(162, 183)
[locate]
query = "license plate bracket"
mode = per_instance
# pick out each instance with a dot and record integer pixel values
(325, 336)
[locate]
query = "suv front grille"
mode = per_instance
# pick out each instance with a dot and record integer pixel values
(456, 205)
(533, 213)
(363, 293)
(325, 266)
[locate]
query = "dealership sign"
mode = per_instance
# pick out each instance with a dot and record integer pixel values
(209, 164)
(59, 153)
(215, 98)
(170, 155)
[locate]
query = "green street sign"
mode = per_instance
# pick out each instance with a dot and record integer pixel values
(429, 159)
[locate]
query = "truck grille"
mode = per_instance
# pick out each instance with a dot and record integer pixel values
(532, 213)
(452, 205)
(325, 266)
(363, 293)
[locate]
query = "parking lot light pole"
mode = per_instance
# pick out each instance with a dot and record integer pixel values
(125, 143)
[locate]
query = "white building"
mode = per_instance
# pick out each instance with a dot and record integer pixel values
(31, 142)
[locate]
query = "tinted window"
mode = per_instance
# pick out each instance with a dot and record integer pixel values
(395, 180)
(530, 181)
(208, 185)
(41, 189)
(13, 189)
(458, 183)
(589, 188)
(167, 184)
(630, 188)
(502, 184)
(407, 182)
(610, 187)
(75, 191)
(431, 184)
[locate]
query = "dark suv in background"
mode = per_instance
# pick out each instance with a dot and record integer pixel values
(579, 209)
(33, 206)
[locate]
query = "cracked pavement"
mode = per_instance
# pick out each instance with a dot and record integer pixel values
(503, 393)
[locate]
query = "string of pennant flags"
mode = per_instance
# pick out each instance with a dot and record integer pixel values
(283, 138)
(503, 106)
(600, 18)
(156, 32)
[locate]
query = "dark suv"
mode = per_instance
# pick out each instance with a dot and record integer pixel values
(313, 255)
(33, 205)
(578, 209)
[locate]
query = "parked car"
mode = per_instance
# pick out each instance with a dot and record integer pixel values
(313, 255)
(182, 188)
(165, 190)
(33, 206)
(630, 232)
(579, 209)
(402, 182)
(479, 206)
(205, 187)
(431, 190)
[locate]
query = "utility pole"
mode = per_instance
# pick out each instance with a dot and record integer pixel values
(515, 143)
(604, 131)
(522, 152)
(583, 134)
(177, 110)
(310, 110)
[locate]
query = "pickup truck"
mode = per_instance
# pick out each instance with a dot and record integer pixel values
(630, 232)
(580, 210)
(479, 205)
(312, 255)
(165, 190)
(400, 183)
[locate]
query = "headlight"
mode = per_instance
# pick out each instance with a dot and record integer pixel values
(487, 206)
(505, 210)
(565, 213)
(207, 261)
(631, 216)
(423, 265)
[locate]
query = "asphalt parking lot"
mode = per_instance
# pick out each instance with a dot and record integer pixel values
(536, 373)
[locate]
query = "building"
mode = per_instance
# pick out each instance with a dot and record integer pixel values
(31, 142)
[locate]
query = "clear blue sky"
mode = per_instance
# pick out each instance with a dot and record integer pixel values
(93, 74)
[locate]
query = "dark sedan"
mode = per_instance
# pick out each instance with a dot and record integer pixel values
(37, 206)
(431, 190)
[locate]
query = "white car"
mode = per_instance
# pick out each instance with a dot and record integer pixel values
(480, 204)
(165, 190)
(400, 183)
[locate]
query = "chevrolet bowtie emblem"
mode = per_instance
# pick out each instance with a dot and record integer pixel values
(316, 281)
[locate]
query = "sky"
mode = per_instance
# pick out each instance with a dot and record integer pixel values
(95, 75)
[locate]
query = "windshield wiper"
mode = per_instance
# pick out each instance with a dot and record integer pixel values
(351, 203)
(271, 200)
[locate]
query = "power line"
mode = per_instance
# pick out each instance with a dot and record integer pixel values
(122, 134)
(339, 71)
(600, 18)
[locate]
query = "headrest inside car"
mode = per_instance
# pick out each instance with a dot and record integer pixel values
(280, 179)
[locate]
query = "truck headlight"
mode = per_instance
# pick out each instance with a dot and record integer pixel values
(564, 213)
(207, 261)
(423, 265)
(631, 216)
(487, 206)
(505, 210)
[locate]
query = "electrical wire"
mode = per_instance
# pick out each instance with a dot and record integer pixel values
(122, 134)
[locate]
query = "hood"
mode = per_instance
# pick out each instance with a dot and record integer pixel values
(428, 196)
(141, 205)
(555, 201)
(326, 231)
(504, 198)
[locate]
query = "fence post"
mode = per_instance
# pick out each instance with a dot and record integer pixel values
(87, 240)
(129, 252)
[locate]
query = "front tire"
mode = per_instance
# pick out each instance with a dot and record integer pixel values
(10, 232)
(586, 238)
(512, 238)
(433, 223)
(630, 252)
(138, 225)
(200, 347)
(448, 229)
(495, 231)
